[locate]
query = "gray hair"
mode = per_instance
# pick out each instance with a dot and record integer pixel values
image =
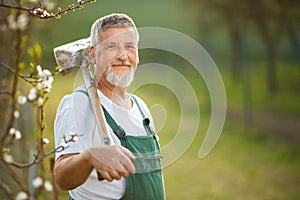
(114, 20)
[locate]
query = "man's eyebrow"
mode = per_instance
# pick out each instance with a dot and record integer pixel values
(104, 43)
(129, 42)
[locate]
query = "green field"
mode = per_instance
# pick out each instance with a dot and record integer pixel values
(245, 163)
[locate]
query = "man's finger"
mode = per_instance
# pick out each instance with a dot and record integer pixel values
(106, 176)
(127, 164)
(115, 174)
(127, 153)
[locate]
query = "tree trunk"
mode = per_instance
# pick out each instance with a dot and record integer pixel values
(236, 44)
(271, 59)
(295, 42)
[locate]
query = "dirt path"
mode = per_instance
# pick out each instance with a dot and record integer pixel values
(284, 127)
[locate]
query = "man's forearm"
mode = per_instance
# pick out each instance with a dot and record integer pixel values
(72, 170)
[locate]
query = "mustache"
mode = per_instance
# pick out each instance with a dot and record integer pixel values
(121, 63)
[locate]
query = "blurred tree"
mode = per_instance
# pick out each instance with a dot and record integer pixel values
(263, 16)
(217, 14)
(271, 18)
(274, 19)
(289, 20)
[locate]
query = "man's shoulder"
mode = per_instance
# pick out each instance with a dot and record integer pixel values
(78, 96)
(81, 89)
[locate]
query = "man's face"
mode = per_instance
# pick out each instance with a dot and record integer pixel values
(116, 56)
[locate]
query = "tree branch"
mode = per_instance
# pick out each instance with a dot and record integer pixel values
(38, 159)
(14, 86)
(28, 79)
(16, 178)
(44, 14)
(7, 190)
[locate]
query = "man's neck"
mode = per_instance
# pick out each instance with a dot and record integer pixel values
(115, 94)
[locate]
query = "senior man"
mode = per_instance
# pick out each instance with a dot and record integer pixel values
(131, 168)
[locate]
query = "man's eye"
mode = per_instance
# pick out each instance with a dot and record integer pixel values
(111, 46)
(130, 46)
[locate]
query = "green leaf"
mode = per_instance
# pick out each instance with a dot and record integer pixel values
(37, 50)
(22, 65)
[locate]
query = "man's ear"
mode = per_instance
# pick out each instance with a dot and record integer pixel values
(92, 55)
(137, 59)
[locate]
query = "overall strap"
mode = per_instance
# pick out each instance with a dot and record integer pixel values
(138, 105)
(118, 130)
(146, 121)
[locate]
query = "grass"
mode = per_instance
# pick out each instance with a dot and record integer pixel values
(239, 167)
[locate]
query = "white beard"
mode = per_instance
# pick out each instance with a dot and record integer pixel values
(122, 81)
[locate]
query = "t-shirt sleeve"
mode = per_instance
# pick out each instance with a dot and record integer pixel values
(73, 116)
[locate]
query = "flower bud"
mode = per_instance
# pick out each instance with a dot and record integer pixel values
(48, 186)
(22, 100)
(37, 182)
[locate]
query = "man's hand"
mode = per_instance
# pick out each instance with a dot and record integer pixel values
(111, 161)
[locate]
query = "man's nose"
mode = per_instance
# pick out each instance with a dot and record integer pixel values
(123, 53)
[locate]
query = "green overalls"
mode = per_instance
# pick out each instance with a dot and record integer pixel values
(147, 182)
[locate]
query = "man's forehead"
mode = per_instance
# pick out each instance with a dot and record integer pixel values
(118, 34)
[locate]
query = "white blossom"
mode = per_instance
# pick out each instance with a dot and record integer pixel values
(22, 100)
(37, 182)
(39, 70)
(16, 114)
(11, 19)
(73, 134)
(49, 84)
(75, 139)
(8, 158)
(12, 131)
(46, 72)
(32, 94)
(41, 12)
(46, 79)
(37, 11)
(45, 14)
(40, 86)
(19, 22)
(48, 186)
(22, 22)
(15, 133)
(18, 135)
(45, 141)
(40, 101)
(21, 196)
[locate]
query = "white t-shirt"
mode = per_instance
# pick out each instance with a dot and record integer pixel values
(75, 115)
